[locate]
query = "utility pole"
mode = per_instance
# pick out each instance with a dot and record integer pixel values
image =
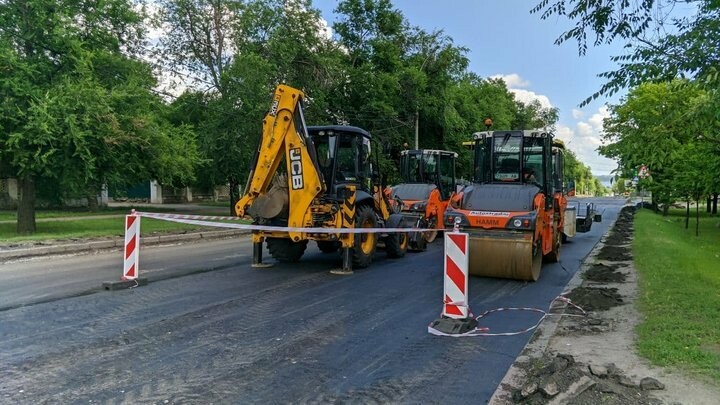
(417, 128)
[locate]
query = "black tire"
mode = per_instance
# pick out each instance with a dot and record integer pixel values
(418, 243)
(396, 243)
(554, 255)
(430, 236)
(285, 250)
(365, 243)
(328, 246)
(537, 259)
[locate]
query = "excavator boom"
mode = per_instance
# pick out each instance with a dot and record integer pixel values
(284, 136)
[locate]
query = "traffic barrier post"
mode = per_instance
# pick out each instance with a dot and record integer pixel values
(132, 247)
(131, 256)
(456, 316)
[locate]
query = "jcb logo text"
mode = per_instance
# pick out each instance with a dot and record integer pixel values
(296, 169)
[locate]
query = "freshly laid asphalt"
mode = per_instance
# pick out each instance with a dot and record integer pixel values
(209, 328)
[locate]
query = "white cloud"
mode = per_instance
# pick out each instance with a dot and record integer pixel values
(577, 114)
(513, 80)
(324, 29)
(584, 129)
(517, 84)
(597, 119)
(584, 137)
(527, 96)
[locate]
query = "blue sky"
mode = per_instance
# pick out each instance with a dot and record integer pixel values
(504, 39)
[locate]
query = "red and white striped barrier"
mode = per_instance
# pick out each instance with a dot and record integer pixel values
(132, 247)
(456, 276)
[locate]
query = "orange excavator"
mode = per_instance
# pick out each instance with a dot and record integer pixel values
(428, 183)
(516, 210)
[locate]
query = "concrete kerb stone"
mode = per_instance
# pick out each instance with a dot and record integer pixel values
(112, 244)
(538, 343)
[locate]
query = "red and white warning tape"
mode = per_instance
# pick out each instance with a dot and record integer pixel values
(209, 221)
(483, 331)
(132, 232)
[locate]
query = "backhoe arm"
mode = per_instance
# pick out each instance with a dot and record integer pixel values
(284, 132)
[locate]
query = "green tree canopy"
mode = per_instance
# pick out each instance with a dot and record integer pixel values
(77, 109)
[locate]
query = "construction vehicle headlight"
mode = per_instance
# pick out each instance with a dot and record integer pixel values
(517, 223)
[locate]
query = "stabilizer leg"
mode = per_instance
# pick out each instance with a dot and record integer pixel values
(257, 253)
(347, 263)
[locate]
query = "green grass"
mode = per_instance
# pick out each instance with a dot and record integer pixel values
(88, 228)
(11, 215)
(679, 291)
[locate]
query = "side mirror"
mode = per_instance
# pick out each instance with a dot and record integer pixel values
(571, 188)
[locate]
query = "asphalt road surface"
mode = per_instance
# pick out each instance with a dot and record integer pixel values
(210, 329)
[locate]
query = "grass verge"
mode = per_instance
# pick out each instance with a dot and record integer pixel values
(89, 228)
(680, 291)
(11, 215)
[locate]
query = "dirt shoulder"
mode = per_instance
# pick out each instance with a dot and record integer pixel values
(587, 359)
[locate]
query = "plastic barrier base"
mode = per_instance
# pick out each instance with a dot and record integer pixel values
(454, 326)
(124, 284)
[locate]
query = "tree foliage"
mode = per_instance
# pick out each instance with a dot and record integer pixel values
(653, 126)
(77, 108)
(663, 39)
(80, 107)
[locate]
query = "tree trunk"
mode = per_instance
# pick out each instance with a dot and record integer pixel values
(687, 214)
(709, 204)
(26, 205)
(715, 200)
(697, 217)
(234, 194)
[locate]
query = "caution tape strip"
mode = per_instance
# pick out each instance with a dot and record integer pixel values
(203, 221)
(484, 331)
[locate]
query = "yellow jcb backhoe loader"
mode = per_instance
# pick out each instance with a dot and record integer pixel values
(327, 181)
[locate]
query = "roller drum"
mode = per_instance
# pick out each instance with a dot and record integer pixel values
(509, 256)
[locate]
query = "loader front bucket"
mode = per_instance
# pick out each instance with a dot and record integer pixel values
(505, 255)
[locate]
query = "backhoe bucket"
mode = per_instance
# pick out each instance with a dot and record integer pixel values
(504, 255)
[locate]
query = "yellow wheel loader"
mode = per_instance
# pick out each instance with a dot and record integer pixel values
(327, 182)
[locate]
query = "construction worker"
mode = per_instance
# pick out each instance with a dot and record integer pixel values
(529, 176)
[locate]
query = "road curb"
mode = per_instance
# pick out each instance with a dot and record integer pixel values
(118, 243)
(540, 340)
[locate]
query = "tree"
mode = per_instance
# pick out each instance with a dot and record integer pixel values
(233, 53)
(662, 44)
(77, 109)
(646, 128)
(692, 181)
(581, 175)
(533, 115)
